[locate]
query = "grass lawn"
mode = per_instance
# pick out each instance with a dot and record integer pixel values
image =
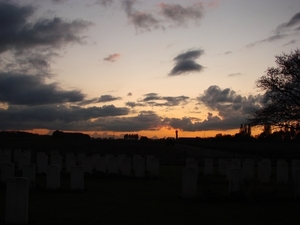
(119, 200)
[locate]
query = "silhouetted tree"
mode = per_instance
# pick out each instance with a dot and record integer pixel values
(281, 104)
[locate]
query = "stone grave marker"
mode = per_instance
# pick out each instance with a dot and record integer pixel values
(189, 182)
(7, 171)
(16, 207)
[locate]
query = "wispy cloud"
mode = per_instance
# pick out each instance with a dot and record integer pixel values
(282, 31)
(112, 57)
(179, 15)
(235, 74)
(185, 63)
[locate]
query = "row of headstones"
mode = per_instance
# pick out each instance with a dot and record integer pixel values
(236, 175)
(17, 187)
(108, 164)
(247, 167)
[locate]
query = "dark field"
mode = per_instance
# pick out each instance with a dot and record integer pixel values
(121, 200)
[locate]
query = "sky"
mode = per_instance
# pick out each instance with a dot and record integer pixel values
(112, 67)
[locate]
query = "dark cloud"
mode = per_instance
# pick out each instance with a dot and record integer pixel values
(228, 52)
(56, 117)
(282, 31)
(18, 32)
(134, 104)
(104, 2)
(185, 63)
(154, 99)
(179, 15)
(59, 1)
(108, 98)
(142, 21)
(22, 89)
(294, 21)
(112, 57)
(129, 94)
(230, 110)
(228, 103)
(145, 120)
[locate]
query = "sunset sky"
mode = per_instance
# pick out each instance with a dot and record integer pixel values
(111, 67)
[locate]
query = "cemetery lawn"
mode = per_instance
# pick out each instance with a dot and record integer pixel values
(119, 200)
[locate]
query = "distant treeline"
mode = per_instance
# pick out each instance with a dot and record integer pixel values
(62, 135)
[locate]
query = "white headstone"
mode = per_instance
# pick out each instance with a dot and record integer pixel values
(24, 159)
(28, 152)
(282, 172)
(70, 162)
(88, 165)
(295, 166)
(101, 164)
(17, 154)
(148, 158)
(28, 172)
(95, 157)
(139, 170)
(16, 210)
(153, 167)
(77, 178)
(189, 182)
(297, 184)
(57, 160)
(53, 177)
(248, 169)
(80, 157)
(208, 166)
(126, 167)
(42, 163)
(5, 158)
(235, 180)
(7, 171)
(222, 167)
(263, 172)
(112, 166)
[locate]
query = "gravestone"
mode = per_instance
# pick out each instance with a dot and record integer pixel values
(42, 163)
(269, 165)
(95, 157)
(282, 172)
(57, 160)
(248, 169)
(295, 166)
(7, 171)
(77, 178)
(263, 172)
(189, 183)
(17, 154)
(5, 158)
(88, 165)
(126, 167)
(222, 166)
(154, 167)
(208, 166)
(16, 208)
(297, 184)
(148, 158)
(101, 164)
(53, 177)
(235, 180)
(28, 152)
(139, 170)
(112, 166)
(24, 159)
(70, 162)
(28, 172)
(80, 157)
